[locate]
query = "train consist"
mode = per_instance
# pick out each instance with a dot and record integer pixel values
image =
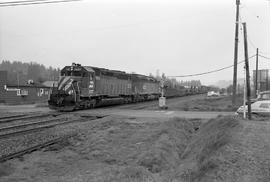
(83, 87)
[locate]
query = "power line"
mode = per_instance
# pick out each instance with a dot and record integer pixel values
(33, 2)
(264, 57)
(15, 2)
(213, 71)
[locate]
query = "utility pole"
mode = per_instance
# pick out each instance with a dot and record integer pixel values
(235, 52)
(245, 94)
(256, 78)
(247, 70)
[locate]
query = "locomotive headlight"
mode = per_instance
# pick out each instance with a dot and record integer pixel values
(70, 92)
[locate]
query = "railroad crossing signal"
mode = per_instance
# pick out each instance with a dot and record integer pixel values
(162, 99)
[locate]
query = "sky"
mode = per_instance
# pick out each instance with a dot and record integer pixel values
(176, 37)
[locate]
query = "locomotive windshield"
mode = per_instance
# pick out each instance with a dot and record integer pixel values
(74, 73)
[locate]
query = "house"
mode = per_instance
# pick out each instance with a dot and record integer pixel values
(50, 84)
(28, 93)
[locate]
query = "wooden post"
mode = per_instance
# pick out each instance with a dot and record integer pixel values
(247, 70)
(256, 78)
(235, 52)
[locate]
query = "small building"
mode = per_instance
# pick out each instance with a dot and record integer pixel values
(50, 84)
(263, 79)
(22, 94)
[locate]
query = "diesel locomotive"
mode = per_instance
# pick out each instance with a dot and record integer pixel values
(83, 87)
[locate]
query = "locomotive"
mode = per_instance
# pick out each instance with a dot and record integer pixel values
(83, 87)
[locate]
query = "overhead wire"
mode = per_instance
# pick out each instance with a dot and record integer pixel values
(33, 2)
(213, 71)
(264, 57)
(25, 1)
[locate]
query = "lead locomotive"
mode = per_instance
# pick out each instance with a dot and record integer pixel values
(81, 87)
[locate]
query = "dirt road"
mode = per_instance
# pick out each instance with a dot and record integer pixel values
(155, 113)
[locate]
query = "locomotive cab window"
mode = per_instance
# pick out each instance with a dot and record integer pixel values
(91, 76)
(76, 73)
(84, 74)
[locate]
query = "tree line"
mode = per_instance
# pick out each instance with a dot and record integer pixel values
(174, 83)
(19, 72)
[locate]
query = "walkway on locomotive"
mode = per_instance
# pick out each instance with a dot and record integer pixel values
(88, 81)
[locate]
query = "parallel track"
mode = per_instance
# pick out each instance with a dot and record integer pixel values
(16, 118)
(31, 149)
(38, 128)
(39, 146)
(13, 116)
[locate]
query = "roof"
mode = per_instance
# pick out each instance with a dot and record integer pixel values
(88, 68)
(104, 71)
(50, 83)
(27, 86)
(265, 92)
(149, 78)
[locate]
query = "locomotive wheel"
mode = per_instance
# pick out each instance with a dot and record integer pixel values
(92, 104)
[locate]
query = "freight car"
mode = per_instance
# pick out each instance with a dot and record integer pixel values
(81, 87)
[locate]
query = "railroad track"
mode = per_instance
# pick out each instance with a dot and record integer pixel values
(33, 148)
(23, 117)
(35, 126)
(12, 116)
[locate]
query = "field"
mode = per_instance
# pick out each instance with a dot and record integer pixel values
(143, 149)
(192, 103)
(208, 104)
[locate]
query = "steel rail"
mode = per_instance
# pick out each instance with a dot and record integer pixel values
(29, 124)
(25, 117)
(13, 116)
(36, 147)
(5, 135)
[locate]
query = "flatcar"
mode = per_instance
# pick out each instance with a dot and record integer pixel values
(81, 87)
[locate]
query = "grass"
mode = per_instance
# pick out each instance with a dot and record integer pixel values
(135, 151)
(209, 104)
(5, 170)
(203, 149)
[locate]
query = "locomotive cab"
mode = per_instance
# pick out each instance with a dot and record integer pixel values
(74, 83)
